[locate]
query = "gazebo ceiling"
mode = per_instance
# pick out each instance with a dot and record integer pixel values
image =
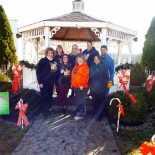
(75, 34)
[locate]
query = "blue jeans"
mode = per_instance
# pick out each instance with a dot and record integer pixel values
(80, 96)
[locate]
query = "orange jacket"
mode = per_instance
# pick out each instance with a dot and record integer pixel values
(80, 76)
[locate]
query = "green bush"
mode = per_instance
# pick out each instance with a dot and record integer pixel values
(138, 75)
(134, 113)
(3, 77)
(5, 86)
(10, 73)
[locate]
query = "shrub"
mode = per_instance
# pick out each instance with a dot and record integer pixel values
(3, 77)
(4, 86)
(138, 75)
(10, 73)
(134, 113)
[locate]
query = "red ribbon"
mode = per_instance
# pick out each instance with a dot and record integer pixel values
(146, 148)
(22, 115)
(15, 83)
(121, 109)
(125, 90)
(150, 82)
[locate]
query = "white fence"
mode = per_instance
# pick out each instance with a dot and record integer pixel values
(149, 72)
(30, 81)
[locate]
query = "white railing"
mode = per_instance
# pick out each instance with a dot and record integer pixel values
(149, 72)
(30, 79)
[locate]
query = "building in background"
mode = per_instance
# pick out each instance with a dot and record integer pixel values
(14, 26)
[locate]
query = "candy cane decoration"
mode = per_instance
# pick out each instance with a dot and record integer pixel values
(22, 119)
(120, 110)
(124, 77)
(150, 81)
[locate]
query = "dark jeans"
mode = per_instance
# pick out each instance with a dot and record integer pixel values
(63, 92)
(80, 96)
(99, 102)
(46, 96)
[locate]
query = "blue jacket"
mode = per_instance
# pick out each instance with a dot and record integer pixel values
(45, 73)
(109, 62)
(98, 78)
(92, 53)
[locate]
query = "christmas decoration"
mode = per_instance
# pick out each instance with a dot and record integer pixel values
(17, 71)
(27, 64)
(123, 67)
(150, 81)
(124, 77)
(148, 148)
(120, 111)
(22, 119)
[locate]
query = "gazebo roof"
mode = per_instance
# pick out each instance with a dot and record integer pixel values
(75, 17)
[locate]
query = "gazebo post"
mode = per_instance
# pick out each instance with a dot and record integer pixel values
(104, 36)
(24, 41)
(130, 51)
(47, 38)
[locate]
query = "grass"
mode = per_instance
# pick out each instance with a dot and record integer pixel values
(130, 141)
(10, 137)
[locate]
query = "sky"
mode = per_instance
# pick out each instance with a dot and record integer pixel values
(131, 14)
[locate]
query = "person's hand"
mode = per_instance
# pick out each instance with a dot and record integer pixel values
(41, 85)
(81, 88)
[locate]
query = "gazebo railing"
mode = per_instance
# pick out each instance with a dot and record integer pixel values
(30, 81)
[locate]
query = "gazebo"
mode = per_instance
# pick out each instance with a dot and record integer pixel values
(66, 30)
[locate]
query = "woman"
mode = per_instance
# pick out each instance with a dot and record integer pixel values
(79, 80)
(64, 82)
(47, 71)
(99, 78)
(72, 58)
(59, 53)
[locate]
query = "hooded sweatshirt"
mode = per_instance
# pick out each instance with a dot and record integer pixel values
(80, 76)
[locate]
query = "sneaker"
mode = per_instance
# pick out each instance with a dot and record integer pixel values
(78, 117)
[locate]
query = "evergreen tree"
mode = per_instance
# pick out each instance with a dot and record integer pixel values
(7, 47)
(148, 56)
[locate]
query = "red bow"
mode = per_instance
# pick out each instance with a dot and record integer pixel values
(150, 82)
(146, 148)
(121, 110)
(22, 114)
(124, 77)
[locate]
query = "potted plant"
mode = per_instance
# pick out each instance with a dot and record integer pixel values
(137, 76)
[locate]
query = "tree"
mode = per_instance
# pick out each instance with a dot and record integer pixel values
(148, 56)
(7, 47)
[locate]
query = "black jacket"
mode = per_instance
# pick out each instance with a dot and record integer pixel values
(47, 70)
(98, 78)
(72, 59)
(92, 53)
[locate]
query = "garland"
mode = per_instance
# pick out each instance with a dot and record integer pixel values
(123, 66)
(28, 65)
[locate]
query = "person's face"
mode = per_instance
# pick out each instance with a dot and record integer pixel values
(89, 46)
(104, 51)
(65, 59)
(50, 54)
(80, 61)
(96, 60)
(59, 50)
(75, 50)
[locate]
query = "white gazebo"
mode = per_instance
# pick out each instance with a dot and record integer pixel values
(66, 30)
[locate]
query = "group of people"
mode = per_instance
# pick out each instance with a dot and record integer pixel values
(82, 72)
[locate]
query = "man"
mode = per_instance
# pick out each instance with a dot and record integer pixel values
(90, 53)
(108, 61)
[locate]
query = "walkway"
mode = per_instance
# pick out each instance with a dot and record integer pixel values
(62, 135)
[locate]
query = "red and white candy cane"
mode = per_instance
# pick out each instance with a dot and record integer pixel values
(150, 81)
(120, 110)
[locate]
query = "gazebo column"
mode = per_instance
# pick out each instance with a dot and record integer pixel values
(24, 41)
(47, 37)
(104, 36)
(130, 45)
